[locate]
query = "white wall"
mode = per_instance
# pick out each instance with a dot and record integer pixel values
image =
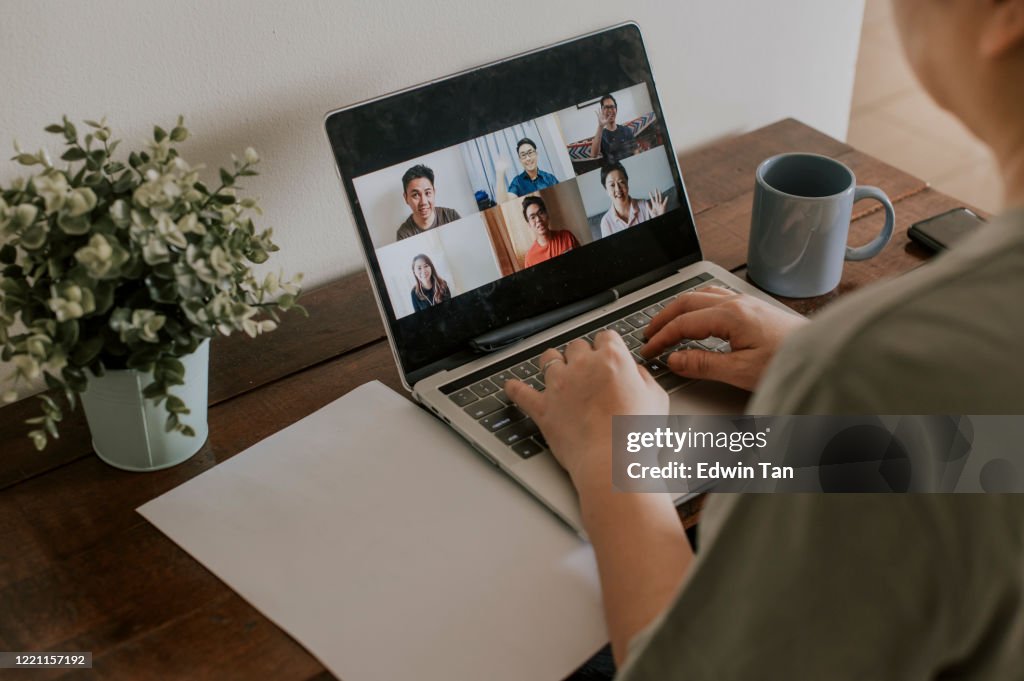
(263, 73)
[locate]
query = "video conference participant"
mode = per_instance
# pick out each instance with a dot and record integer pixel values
(547, 243)
(626, 211)
(532, 178)
(430, 289)
(418, 193)
(612, 141)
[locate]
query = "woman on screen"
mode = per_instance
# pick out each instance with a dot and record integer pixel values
(626, 211)
(430, 289)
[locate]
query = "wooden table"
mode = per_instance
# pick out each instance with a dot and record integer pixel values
(80, 570)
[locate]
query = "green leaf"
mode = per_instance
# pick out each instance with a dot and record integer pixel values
(70, 133)
(171, 370)
(159, 134)
(124, 183)
(8, 254)
(27, 159)
(179, 134)
(86, 351)
(172, 423)
(75, 378)
(176, 405)
(74, 226)
(55, 128)
(188, 431)
(154, 391)
(67, 333)
(143, 358)
(226, 178)
(104, 295)
(73, 154)
(134, 160)
(93, 124)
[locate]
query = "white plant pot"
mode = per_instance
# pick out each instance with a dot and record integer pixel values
(128, 430)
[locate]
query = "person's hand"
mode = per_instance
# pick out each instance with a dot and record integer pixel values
(603, 117)
(754, 329)
(585, 388)
(658, 203)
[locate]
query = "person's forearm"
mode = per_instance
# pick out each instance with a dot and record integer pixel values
(642, 555)
(595, 146)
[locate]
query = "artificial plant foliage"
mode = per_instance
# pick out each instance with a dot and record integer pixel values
(126, 264)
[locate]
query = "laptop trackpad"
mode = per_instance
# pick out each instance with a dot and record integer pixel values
(708, 397)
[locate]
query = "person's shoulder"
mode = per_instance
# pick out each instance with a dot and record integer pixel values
(516, 185)
(406, 229)
(446, 215)
(904, 342)
(548, 178)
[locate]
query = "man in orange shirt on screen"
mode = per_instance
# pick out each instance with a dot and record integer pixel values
(547, 243)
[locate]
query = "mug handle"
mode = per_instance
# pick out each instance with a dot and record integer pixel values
(872, 249)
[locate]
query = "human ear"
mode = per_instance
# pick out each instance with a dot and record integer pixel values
(1003, 29)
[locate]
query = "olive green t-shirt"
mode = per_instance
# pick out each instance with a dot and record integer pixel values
(442, 216)
(807, 586)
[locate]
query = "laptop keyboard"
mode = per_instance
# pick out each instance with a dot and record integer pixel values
(486, 402)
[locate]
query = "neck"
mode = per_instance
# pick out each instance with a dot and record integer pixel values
(610, 126)
(423, 224)
(1011, 165)
(532, 174)
(542, 239)
(622, 207)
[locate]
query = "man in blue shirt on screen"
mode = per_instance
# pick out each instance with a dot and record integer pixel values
(532, 178)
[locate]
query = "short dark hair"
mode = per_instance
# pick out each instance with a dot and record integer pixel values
(525, 140)
(610, 168)
(607, 96)
(418, 170)
(533, 201)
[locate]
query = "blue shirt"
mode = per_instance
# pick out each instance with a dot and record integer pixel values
(617, 144)
(521, 184)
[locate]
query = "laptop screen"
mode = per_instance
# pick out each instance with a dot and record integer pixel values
(510, 190)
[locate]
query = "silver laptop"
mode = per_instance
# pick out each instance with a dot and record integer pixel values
(512, 208)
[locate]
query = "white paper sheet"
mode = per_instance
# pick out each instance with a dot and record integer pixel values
(387, 547)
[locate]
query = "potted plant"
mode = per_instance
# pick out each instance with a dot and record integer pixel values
(116, 273)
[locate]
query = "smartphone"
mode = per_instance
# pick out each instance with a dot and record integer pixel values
(941, 231)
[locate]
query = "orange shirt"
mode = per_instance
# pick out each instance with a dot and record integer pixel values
(559, 242)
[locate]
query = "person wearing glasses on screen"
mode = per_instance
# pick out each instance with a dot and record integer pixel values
(626, 211)
(418, 193)
(430, 289)
(532, 178)
(547, 243)
(612, 141)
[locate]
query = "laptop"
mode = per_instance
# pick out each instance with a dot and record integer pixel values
(515, 207)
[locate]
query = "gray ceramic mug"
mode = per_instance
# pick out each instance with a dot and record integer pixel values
(802, 209)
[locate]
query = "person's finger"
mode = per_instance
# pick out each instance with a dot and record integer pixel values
(718, 290)
(576, 349)
(687, 302)
(704, 364)
(611, 341)
(701, 323)
(550, 360)
(648, 379)
(608, 338)
(525, 397)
